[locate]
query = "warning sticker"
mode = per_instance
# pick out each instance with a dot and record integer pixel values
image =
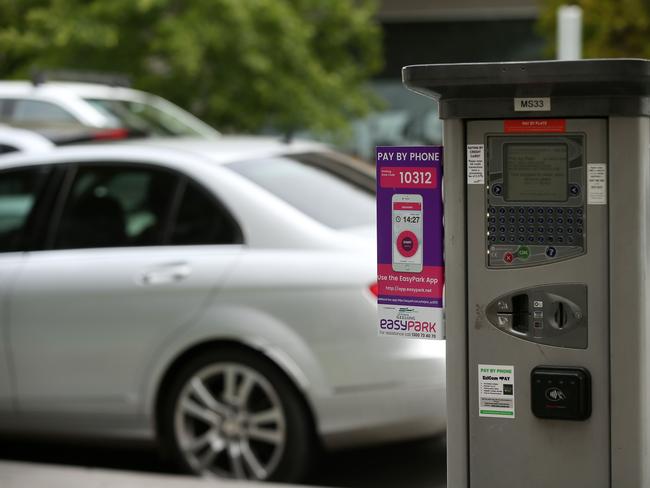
(475, 164)
(534, 125)
(597, 184)
(496, 391)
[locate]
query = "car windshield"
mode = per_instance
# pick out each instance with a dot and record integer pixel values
(152, 119)
(319, 185)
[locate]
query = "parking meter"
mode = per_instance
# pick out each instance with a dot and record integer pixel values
(546, 205)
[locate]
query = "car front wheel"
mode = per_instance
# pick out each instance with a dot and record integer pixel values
(233, 414)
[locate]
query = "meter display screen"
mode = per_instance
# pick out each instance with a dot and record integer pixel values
(536, 172)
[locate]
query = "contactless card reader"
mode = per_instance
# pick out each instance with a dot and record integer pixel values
(560, 393)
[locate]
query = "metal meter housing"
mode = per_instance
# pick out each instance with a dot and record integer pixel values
(561, 304)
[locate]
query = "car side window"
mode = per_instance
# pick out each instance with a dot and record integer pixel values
(19, 191)
(201, 220)
(116, 206)
(36, 111)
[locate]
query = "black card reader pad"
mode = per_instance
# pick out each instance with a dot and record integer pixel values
(560, 393)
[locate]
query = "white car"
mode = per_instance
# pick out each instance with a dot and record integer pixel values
(58, 103)
(14, 139)
(217, 296)
(22, 140)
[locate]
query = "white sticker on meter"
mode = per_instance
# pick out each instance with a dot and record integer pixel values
(597, 184)
(496, 391)
(537, 104)
(475, 164)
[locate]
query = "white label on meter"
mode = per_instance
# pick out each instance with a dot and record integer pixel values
(537, 104)
(597, 184)
(475, 164)
(496, 391)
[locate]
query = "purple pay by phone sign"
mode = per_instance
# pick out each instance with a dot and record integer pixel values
(410, 267)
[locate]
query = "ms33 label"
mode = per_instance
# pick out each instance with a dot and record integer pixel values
(538, 104)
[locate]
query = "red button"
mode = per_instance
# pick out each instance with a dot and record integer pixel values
(508, 257)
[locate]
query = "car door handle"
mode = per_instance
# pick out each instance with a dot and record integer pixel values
(164, 274)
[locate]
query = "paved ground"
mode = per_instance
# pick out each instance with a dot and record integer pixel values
(23, 475)
(419, 464)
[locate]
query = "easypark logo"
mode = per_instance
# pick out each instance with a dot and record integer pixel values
(410, 325)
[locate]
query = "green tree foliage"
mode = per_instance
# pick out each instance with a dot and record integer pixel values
(238, 64)
(611, 29)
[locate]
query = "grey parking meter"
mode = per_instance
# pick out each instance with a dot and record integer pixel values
(546, 174)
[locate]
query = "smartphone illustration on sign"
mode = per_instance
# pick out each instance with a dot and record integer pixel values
(407, 233)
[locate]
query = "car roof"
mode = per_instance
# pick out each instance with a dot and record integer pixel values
(221, 150)
(83, 90)
(230, 148)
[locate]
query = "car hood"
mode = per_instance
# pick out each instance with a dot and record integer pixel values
(365, 236)
(368, 232)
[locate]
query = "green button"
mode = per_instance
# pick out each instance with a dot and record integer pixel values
(523, 252)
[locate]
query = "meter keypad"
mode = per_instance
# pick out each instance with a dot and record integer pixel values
(547, 229)
(535, 199)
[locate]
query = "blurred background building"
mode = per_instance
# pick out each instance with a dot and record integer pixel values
(438, 31)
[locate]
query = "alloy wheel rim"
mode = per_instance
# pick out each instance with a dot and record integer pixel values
(229, 422)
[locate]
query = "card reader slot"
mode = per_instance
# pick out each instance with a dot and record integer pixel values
(520, 313)
(552, 314)
(520, 323)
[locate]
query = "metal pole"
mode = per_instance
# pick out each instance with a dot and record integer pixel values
(569, 32)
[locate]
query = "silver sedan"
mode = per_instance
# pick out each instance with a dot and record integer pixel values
(214, 296)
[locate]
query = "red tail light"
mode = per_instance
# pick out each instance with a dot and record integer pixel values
(374, 289)
(110, 134)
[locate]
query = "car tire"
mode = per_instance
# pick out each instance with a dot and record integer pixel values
(232, 413)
